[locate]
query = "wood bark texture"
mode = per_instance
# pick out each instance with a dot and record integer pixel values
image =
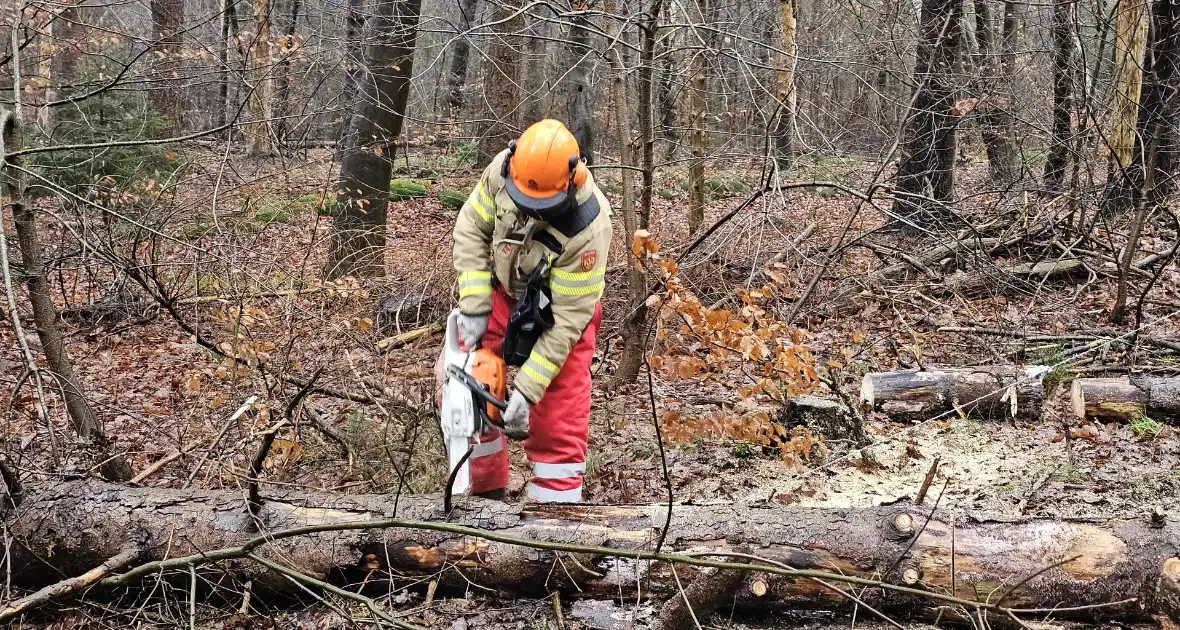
(928, 148)
(457, 76)
(362, 190)
(698, 139)
(989, 391)
(168, 97)
(1130, 41)
(784, 125)
(1127, 398)
(65, 529)
(258, 136)
(501, 83)
(1062, 35)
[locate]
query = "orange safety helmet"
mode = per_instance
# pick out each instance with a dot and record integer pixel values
(542, 168)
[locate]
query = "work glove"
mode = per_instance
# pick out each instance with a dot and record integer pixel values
(471, 329)
(516, 417)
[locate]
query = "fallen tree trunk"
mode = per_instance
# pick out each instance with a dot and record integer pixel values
(986, 391)
(1127, 398)
(1112, 569)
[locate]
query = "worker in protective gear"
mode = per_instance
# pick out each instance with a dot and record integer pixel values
(530, 251)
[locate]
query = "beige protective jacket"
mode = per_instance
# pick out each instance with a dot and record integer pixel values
(492, 238)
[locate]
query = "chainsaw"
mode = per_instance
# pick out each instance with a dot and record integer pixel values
(472, 399)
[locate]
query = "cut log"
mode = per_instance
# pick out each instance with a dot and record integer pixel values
(827, 418)
(1127, 398)
(1108, 569)
(988, 391)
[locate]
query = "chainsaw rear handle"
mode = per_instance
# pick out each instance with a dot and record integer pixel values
(477, 388)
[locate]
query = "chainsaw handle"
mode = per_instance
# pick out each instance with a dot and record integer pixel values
(476, 387)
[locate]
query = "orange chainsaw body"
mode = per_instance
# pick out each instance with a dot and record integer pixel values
(490, 370)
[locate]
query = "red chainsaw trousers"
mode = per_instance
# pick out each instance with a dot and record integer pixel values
(559, 424)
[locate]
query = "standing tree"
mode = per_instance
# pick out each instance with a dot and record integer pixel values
(1062, 31)
(167, 97)
(784, 124)
(362, 190)
(996, 64)
(698, 122)
(501, 83)
(927, 166)
(1157, 154)
(1130, 41)
(258, 140)
(457, 75)
(580, 93)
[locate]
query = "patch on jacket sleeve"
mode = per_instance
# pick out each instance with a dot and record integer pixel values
(589, 258)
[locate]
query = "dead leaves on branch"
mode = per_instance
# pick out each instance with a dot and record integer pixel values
(748, 350)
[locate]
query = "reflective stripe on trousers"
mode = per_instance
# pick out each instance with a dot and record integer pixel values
(537, 493)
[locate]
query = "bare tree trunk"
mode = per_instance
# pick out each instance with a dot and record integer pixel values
(634, 324)
(457, 76)
(533, 74)
(784, 125)
(698, 142)
(928, 150)
(580, 93)
(996, 66)
(501, 84)
(282, 79)
(45, 318)
(167, 97)
(668, 108)
(258, 137)
(359, 222)
(1127, 566)
(227, 18)
(1158, 139)
(1129, 44)
(1059, 147)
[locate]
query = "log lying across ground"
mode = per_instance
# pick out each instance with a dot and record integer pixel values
(1113, 569)
(1127, 398)
(987, 391)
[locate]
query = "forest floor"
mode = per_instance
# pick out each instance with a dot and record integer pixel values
(248, 275)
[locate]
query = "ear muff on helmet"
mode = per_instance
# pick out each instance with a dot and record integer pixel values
(508, 159)
(578, 172)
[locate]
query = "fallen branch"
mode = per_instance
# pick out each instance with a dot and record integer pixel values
(164, 461)
(65, 588)
(230, 297)
(410, 336)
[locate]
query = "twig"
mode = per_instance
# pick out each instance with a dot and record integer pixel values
(254, 499)
(684, 594)
(229, 297)
(64, 588)
(557, 611)
(221, 435)
(921, 498)
(339, 592)
(321, 424)
(163, 461)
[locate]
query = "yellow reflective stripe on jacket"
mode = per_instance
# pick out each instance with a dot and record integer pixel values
(475, 283)
(483, 204)
(540, 369)
(578, 283)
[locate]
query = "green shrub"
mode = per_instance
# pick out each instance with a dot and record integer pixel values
(403, 189)
(452, 199)
(723, 187)
(125, 176)
(274, 210)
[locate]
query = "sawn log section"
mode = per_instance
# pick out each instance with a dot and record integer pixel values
(66, 528)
